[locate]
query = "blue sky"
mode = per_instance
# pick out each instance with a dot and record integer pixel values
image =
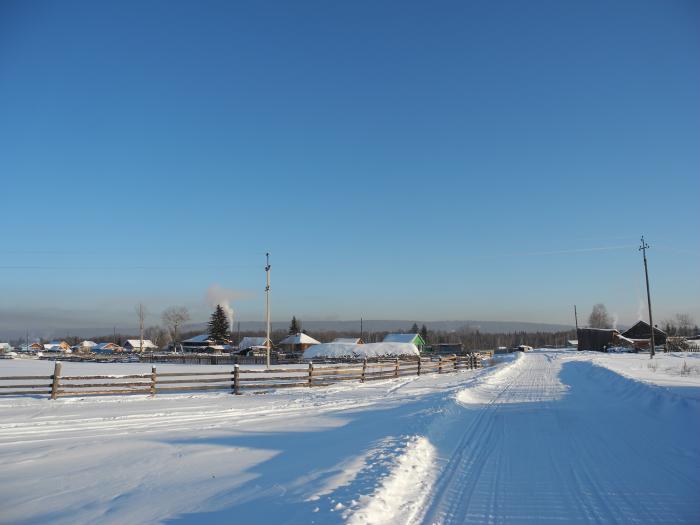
(398, 159)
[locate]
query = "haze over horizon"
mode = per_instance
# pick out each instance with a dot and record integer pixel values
(397, 161)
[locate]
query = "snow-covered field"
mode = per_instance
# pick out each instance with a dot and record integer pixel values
(544, 436)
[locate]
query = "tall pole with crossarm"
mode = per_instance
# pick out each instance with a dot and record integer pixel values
(267, 308)
(643, 248)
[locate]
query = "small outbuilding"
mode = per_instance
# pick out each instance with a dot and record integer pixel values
(447, 348)
(297, 343)
(596, 339)
(349, 340)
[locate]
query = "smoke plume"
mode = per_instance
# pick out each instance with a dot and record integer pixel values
(218, 295)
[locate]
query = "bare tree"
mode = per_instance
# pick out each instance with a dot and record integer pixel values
(157, 335)
(685, 324)
(173, 317)
(599, 318)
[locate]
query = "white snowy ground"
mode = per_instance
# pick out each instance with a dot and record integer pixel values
(547, 436)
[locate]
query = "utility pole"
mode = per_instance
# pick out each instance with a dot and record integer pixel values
(643, 248)
(361, 333)
(267, 307)
(141, 316)
(114, 336)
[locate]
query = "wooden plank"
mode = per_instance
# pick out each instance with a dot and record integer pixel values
(192, 388)
(180, 381)
(25, 392)
(95, 385)
(22, 378)
(322, 372)
(330, 368)
(276, 370)
(332, 379)
(281, 378)
(80, 378)
(99, 392)
(37, 385)
(273, 386)
(175, 374)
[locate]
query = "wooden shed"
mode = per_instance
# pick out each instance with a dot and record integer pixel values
(640, 333)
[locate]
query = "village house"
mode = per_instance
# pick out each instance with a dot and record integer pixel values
(297, 343)
(253, 345)
(197, 344)
(349, 340)
(134, 345)
(32, 348)
(57, 346)
(416, 339)
(106, 348)
(84, 346)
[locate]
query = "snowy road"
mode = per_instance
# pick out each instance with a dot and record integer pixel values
(551, 439)
(547, 437)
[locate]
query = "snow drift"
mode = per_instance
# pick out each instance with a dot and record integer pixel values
(350, 350)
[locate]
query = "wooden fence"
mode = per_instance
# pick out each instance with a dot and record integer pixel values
(236, 381)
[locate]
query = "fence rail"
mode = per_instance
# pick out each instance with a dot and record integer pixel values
(234, 381)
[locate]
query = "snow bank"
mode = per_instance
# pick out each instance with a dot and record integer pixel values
(401, 495)
(350, 350)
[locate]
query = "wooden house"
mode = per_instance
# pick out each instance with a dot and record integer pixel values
(297, 343)
(106, 348)
(134, 345)
(416, 339)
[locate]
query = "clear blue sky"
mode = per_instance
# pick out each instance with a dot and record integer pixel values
(398, 159)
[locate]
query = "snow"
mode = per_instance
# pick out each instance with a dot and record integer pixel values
(251, 342)
(543, 436)
(400, 338)
(201, 338)
(136, 343)
(359, 351)
(299, 339)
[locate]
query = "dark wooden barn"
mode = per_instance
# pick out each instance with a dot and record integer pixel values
(596, 339)
(641, 332)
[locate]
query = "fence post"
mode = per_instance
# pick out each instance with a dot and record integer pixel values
(236, 380)
(364, 370)
(311, 373)
(454, 362)
(153, 380)
(440, 365)
(419, 362)
(396, 369)
(56, 379)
